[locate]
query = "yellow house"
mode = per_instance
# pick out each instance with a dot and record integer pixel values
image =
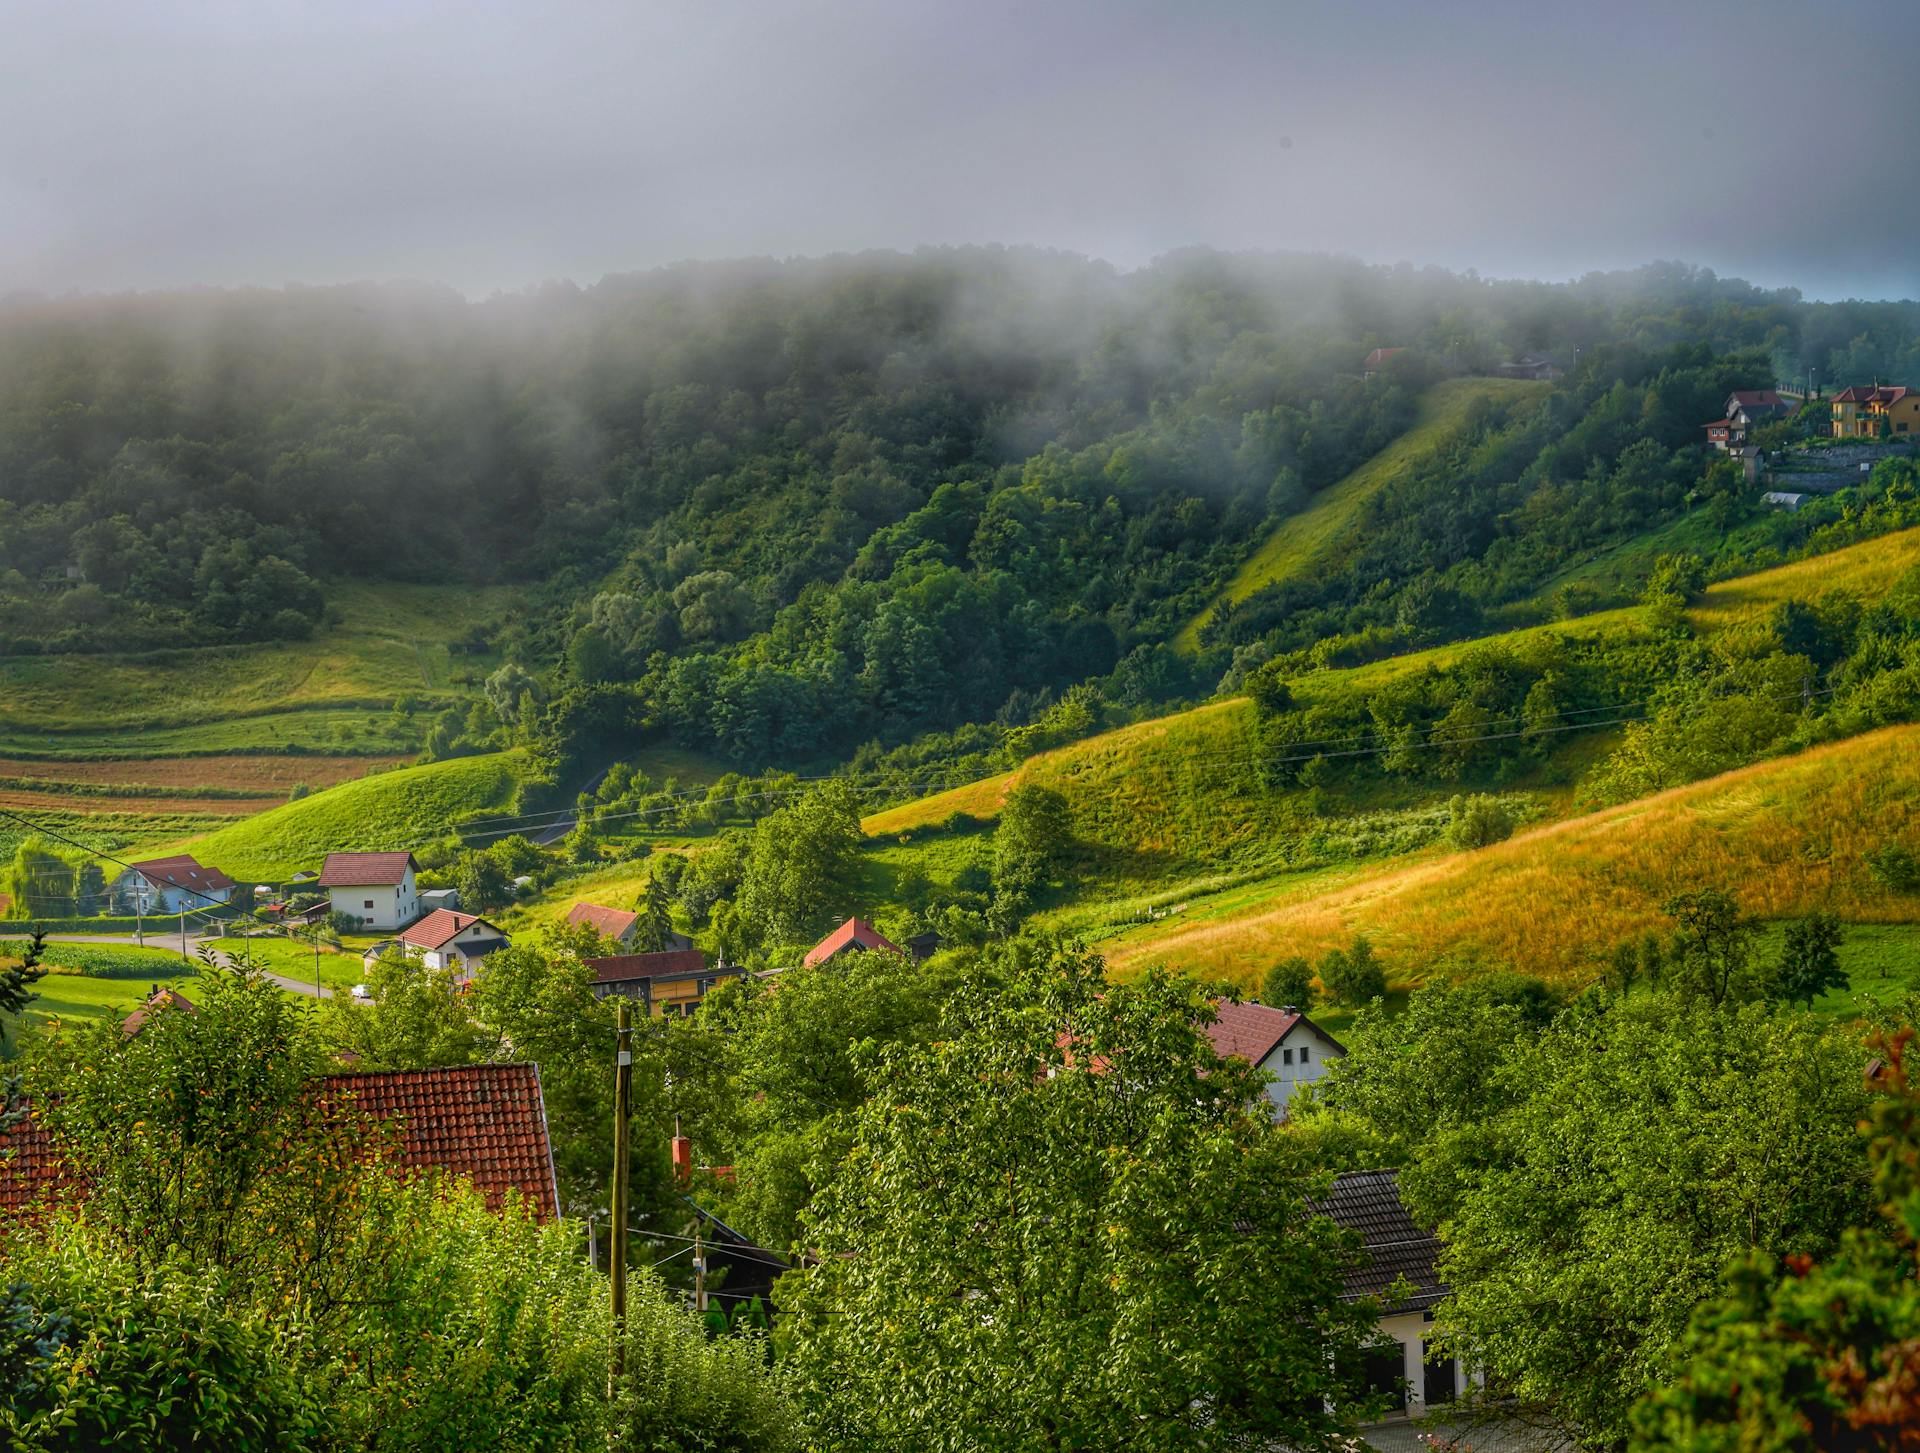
(1881, 412)
(667, 984)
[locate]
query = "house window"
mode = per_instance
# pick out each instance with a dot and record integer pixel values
(367, 903)
(1303, 1054)
(1286, 1056)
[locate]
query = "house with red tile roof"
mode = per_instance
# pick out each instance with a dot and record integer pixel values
(856, 935)
(668, 984)
(159, 1001)
(1283, 1042)
(446, 939)
(376, 890)
(486, 1124)
(612, 923)
(1882, 411)
(169, 885)
(1377, 359)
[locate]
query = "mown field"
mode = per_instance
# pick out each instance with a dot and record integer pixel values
(1306, 537)
(1786, 838)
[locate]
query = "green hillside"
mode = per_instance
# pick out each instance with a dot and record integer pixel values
(1298, 542)
(389, 811)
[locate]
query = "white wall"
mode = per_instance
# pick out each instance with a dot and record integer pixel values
(1290, 1068)
(393, 907)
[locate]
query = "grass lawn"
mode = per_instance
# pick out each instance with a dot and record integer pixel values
(76, 996)
(293, 960)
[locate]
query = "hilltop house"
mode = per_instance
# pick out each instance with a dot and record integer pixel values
(667, 983)
(1744, 409)
(1535, 366)
(856, 935)
(445, 939)
(376, 890)
(169, 885)
(1377, 359)
(618, 925)
(1368, 1202)
(1283, 1042)
(484, 1123)
(1874, 413)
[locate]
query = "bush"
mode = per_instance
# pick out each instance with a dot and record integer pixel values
(1478, 821)
(1895, 868)
(1353, 976)
(1289, 982)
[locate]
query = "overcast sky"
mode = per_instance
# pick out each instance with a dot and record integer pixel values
(149, 143)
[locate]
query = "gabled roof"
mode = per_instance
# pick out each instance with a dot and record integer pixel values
(1765, 398)
(1254, 1031)
(1380, 356)
(159, 999)
(607, 922)
(487, 1123)
(625, 968)
(1878, 394)
(855, 933)
(365, 870)
(440, 928)
(1369, 1202)
(181, 871)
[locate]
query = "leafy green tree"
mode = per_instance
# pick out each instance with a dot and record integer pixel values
(1034, 831)
(1478, 821)
(1633, 1149)
(799, 862)
(655, 929)
(1894, 867)
(1679, 579)
(1798, 1354)
(16, 992)
(1809, 963)
(1353, 975)
(1289, 982)
(1062, 1226)
(40, 881)
(415, 1019)
(483, 884)
(1711, 956)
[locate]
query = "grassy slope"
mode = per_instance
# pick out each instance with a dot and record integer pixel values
(1786, 837)
(390, 811)
(1304, 538)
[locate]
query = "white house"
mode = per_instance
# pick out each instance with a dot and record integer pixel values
(1283, 1042)
(445, 939)
(376, 890)
(169, 885)
(1396, 1251)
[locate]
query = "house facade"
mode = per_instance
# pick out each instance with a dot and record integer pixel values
(376, 890)
(445, 939)
(1284, 1042)
(1881, 412)
(668, 984)
(169, 885)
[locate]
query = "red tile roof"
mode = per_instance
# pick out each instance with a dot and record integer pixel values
(1254, 1031)
(672, 964)
(607, 922)
(440, 928)
(855, 933)
(182, 871)
(159, 999)
(1380, 356)
(1762, 397)
(1880, 394)
(364, 870)
(487, 1123)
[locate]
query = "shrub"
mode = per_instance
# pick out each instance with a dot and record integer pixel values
(1353, 975)
(1895, 868)
(1289, 982)
(1478, 821)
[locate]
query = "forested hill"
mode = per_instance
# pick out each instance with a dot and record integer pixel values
(790, 508)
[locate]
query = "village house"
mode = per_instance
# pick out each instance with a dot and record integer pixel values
(1377, 360)
(486, 1124)
(169, 885)
(1397, 1252)
(668, 984)
(617, 925)
(375, 890)
(445, 939)
(1284, 1042)
(1744, 409)
(856, 935)
(1883, 411)
(1535, 366)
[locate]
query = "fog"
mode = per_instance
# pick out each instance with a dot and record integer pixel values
(495, 146)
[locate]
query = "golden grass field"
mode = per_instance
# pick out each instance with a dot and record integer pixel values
(1786, 838)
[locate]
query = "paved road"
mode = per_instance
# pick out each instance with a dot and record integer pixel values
(172, 941)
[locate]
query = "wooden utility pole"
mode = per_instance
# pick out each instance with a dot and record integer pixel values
(617, 1247)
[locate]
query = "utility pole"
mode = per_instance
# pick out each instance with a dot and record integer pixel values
(617, 1248)
(140, 917)
(183, 932)
(699, 1273)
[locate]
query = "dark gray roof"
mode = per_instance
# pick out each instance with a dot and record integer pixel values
(1369, 1202)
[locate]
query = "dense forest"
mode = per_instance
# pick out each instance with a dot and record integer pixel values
(788, 509)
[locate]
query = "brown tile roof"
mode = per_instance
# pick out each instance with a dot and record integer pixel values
(487, 1123)
(1369, 1202)
(181, 871)
(163, 998)
(624, 968)
(1254, 1031)
(441, 927)
(364, 870)
(1880, 394)
(607, 922)
(1380, 356)
(1760, 397)
(855, 933)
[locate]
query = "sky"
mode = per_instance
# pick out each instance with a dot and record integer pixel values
(169, 143)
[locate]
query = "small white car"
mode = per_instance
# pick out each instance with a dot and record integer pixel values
(362, 992)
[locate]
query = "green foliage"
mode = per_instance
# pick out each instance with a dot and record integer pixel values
(1809, 963)
(798, 862)
(1676, 580)
(1710, 958)
(1478, 821)
(1064, 1226)
(1353, 975)
(414, 1020)
(1895, 868)
(104, 961)
(1289, 982)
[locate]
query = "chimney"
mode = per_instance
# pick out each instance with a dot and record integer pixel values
(1289, 1008)
(682, 1160)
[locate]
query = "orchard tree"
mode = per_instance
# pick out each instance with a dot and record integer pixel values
(1353, 975)
(1069, 1224)
(1711, 956)
(1289, 982)
(1809, 960)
